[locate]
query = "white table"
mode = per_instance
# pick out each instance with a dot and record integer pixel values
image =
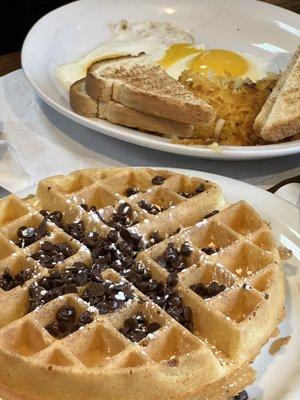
(42, 142)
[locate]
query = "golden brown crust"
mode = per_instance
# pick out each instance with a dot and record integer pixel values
(81, 102)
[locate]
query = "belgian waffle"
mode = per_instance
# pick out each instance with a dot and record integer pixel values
(133, 283)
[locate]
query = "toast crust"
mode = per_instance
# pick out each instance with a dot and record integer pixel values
(81, 102)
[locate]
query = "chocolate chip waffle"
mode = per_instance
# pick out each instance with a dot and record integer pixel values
(133, 283)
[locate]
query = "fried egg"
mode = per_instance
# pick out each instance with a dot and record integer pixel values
(171, 47)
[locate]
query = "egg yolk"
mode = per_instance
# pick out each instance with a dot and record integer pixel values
(176, 52)
(221, 62)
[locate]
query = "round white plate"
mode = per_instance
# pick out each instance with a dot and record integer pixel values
(247, 26)
(278, 377)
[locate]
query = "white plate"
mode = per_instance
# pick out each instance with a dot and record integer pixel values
(246, 26)
(278, 377)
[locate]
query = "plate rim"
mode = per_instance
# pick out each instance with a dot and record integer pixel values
(149, 140)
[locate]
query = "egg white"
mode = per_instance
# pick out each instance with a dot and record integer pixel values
(151, 38)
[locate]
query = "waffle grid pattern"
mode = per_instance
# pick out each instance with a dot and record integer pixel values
(229, 328)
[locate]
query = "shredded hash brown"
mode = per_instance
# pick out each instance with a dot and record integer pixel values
(237, 102)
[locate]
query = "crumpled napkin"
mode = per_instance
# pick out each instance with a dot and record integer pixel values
(32, 146)
(12, 174)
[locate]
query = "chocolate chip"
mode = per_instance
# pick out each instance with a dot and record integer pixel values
(137, 336)
(53, 329)
(96, 290)
(158, 180)
(113, 236)
(86, 318)
(82, 277)
(90, 239)
(96, 272)
(71, 328)
(131, 191)
(200, 188)
(210, 250)
(145, 205)
(131, 323)
(172, 259)
(25, 232)
(67, 314)
(47, 246)
(200, 289)
(41, 230)
(241, 396)
(154, 210)
(79, 266)
(124, 209)
(171, 254)
(172, 279)
(153, 326)
(186, 194)
(130, 236)
(84, 206)
(70, 288)
(154, 237)
(214, 288)
(214, 212)
(186, 249)
(56, 216)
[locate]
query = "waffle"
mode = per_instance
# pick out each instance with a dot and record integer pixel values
(133, 283)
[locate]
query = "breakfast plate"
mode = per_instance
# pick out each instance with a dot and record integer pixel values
(278, 376)
(254, 29)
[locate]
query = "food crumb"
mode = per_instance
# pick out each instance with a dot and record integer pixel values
(173, 361)
(285, 253)
(278, 344)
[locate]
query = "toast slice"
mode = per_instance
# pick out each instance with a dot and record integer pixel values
(280, 116)
(140, 84)
(116, 113)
